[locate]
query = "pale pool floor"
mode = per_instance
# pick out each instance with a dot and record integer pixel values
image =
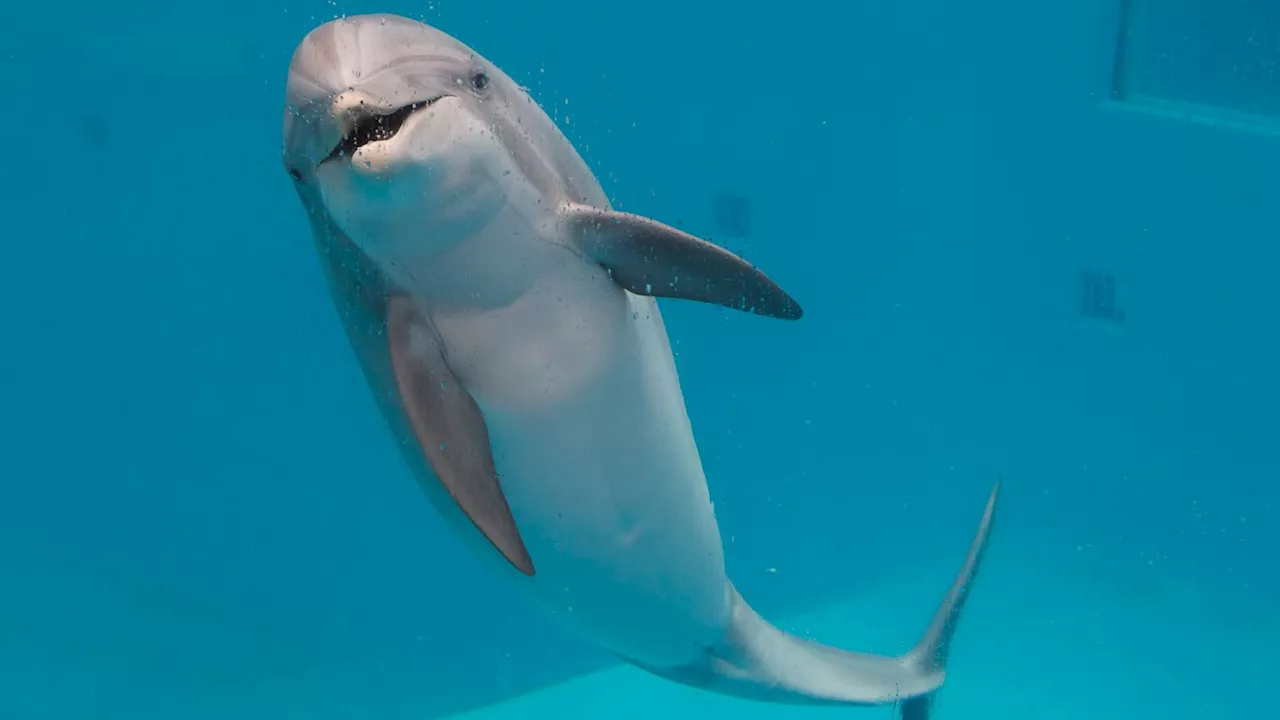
(1047, 636)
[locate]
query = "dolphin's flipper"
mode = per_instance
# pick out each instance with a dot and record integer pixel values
(650, 258)
(458, 477)
(450, 429)
(758, 661)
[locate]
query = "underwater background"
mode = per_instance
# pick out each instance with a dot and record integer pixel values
(1033, 240)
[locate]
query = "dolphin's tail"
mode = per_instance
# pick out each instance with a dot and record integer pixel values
(929, 657)
(761, 662)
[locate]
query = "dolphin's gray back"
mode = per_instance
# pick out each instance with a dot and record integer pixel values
(547, 157)
(549, 161)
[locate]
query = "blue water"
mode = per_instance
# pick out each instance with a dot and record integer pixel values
(1020, 255)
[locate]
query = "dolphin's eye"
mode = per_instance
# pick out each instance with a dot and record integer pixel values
(480, 80)
(295, 174)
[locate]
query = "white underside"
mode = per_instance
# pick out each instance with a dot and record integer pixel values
(596, 456)
(574, 377)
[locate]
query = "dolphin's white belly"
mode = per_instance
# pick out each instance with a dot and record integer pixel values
(597, 459)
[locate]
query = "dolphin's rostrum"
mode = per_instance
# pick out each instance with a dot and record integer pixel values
(504, 316)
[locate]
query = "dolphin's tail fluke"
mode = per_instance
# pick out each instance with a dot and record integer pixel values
(761, 662)
(929, 657)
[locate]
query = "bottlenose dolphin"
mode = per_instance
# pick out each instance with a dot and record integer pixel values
(505, 319)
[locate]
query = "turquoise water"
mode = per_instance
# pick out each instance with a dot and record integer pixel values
(1025, 249)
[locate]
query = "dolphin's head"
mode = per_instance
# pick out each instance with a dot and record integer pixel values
(392, 125)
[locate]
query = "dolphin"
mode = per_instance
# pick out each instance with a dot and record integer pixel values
(505, 318)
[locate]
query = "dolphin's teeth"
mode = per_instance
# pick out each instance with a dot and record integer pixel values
(371, 127)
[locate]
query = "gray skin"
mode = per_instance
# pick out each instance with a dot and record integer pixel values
(504, 316)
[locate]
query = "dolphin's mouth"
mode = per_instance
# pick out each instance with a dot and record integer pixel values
(374, 128)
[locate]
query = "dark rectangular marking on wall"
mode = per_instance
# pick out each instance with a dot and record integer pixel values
(1121, 59)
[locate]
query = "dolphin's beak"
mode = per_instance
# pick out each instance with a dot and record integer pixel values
(361, 125)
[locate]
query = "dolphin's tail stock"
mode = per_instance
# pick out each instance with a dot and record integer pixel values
(761, 662)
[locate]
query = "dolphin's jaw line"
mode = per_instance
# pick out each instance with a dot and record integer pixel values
(370, 128)
(409, 197)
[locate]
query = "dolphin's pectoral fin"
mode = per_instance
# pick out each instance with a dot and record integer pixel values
(450, 429)
(441, 432)
(650, 258)
(758, 661)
